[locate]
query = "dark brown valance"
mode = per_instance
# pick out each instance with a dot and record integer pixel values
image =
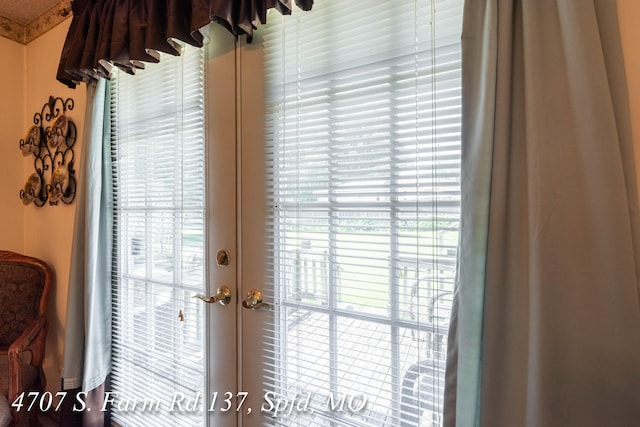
(128, 33)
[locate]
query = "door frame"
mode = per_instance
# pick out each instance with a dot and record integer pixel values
(221, 219)
(252, 230)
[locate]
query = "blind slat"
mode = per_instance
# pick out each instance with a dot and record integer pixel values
(158, 149)
(362, 134)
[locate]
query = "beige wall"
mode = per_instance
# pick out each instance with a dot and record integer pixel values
(629, 15)
(12, 116)
(49, 229)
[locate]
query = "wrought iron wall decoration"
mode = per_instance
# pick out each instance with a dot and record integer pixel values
(50, 140)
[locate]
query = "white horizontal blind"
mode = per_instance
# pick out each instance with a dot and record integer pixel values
(158, 145)
(363, 159)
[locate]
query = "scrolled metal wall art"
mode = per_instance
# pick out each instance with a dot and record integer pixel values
(52, 148)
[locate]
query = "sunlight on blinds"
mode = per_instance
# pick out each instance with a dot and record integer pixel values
(363, 181)
(158, 149)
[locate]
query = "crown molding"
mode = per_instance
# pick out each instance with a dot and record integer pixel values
(25, 34)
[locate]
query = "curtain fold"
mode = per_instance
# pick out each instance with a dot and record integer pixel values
(546, 322)
(87, 346)
(128, 33)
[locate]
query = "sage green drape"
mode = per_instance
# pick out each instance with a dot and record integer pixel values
(87, 349)
(546, 326)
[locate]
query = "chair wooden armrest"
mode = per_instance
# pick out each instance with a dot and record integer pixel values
(32, 340)
(25, 283)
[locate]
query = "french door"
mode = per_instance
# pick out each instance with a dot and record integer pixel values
(310, 284)
(333, 201)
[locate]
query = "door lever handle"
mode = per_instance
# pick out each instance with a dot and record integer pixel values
(223, 296)
(253, 301)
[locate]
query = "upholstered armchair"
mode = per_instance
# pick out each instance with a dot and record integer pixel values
(25, 283)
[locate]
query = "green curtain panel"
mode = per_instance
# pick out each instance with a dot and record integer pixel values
(546, 323)
(87, 344)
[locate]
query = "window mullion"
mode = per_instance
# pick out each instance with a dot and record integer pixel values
(332, 292)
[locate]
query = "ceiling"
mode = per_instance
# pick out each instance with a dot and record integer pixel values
(25, 20)
(25, 11)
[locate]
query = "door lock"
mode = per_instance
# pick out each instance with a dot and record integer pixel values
(222, 258)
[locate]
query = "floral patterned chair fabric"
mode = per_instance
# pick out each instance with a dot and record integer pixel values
(25, 283)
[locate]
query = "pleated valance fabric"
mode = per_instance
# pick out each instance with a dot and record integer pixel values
(128, 33)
